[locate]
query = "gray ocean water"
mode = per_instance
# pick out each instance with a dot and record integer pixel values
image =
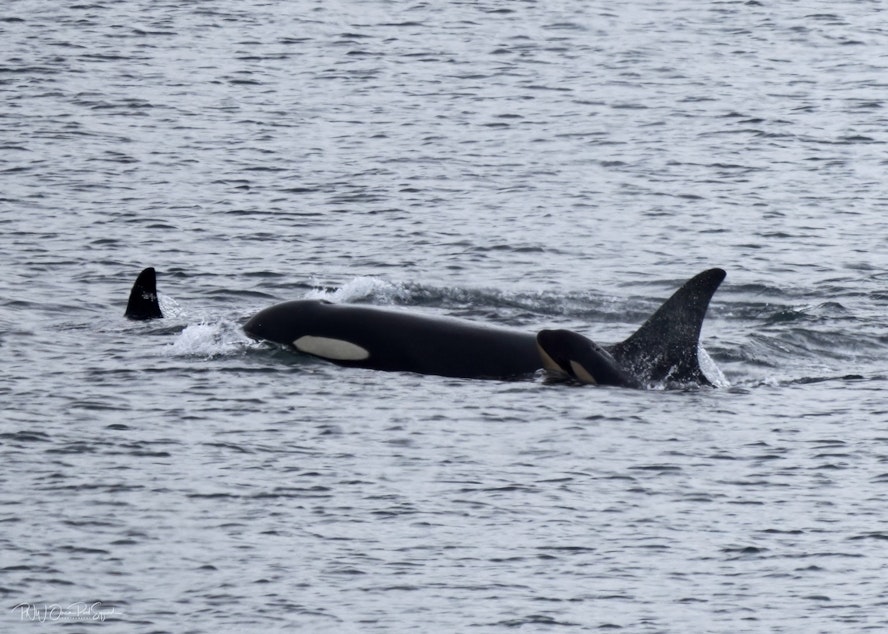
(526, 164)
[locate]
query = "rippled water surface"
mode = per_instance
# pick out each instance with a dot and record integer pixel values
(531, 165)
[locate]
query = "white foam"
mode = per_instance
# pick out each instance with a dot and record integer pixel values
(168, 306)
(207, 340)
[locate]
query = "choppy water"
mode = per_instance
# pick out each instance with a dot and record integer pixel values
(527, 164)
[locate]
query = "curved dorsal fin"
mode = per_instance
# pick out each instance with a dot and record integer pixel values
(143, 298)
(665, 347)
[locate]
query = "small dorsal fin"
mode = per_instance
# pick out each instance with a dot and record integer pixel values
(143, 297)
(665, 347)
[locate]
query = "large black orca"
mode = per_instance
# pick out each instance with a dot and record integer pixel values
(663, 350)
(369, 337)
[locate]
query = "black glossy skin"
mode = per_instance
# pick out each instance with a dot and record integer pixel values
(401, 341)
(565, 347)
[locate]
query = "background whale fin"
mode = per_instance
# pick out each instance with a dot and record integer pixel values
(143, 297)
(665, 347)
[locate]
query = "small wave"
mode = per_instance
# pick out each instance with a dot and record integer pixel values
(781, 380)
(807, 313)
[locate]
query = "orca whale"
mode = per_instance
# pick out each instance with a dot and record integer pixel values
(664, 350)
(394, 340)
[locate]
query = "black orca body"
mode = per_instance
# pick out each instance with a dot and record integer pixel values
(368, 337)
(571, 354)
(663, 349)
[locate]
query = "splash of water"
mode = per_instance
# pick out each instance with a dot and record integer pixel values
(710, 370)
(208, 340)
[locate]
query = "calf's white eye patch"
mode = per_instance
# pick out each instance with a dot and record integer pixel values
(332, 349)
(582, 374)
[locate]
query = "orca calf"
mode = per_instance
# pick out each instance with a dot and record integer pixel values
(662, 350)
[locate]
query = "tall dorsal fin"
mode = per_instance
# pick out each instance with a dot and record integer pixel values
(665, 347)
(143, 298)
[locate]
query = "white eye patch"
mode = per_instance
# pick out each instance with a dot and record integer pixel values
(332, 349)
(582, 374)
